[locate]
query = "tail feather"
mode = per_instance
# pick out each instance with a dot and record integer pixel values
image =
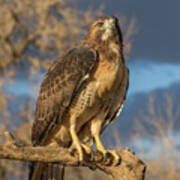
(46, 171)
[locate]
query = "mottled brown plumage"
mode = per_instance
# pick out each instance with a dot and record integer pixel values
(83, 91)
(57, 90)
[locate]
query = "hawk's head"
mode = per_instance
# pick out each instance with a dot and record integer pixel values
(104, 29)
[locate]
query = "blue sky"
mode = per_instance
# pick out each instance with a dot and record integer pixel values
(146, 76)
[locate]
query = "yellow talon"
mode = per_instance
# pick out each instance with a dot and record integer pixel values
(87, 149)
(116, 156)
(76, 144)
(101, 148)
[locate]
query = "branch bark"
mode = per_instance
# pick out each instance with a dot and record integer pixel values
(130, 168)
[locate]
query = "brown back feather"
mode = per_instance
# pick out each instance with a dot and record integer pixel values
(58, 89)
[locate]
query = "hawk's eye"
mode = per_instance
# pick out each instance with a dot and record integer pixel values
(100, 24)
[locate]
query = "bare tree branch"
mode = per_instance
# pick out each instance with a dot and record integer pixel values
(130, 167)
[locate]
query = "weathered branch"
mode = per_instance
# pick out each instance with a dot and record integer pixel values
(130, 168)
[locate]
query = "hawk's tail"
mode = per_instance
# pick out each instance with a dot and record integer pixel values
(44, 171)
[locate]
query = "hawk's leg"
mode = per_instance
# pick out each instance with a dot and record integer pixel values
(76, 143)
(96, 129)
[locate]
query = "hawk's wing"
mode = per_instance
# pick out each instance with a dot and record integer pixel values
(58, 88)
(120, 97)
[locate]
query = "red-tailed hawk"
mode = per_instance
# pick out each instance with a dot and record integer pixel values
(83, 91)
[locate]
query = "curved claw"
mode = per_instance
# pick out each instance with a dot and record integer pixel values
(71, 151)
(107, 153)
(81, 148)
(116, 157)
(88, 151)
(101, 148)
(77, 147)
(106, 156)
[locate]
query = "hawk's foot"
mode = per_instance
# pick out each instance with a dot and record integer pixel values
(116, 157)
(76, 146)
(88, 151)
(81, 149)
(107, 153)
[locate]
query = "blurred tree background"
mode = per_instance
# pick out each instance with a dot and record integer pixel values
(32, 34)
